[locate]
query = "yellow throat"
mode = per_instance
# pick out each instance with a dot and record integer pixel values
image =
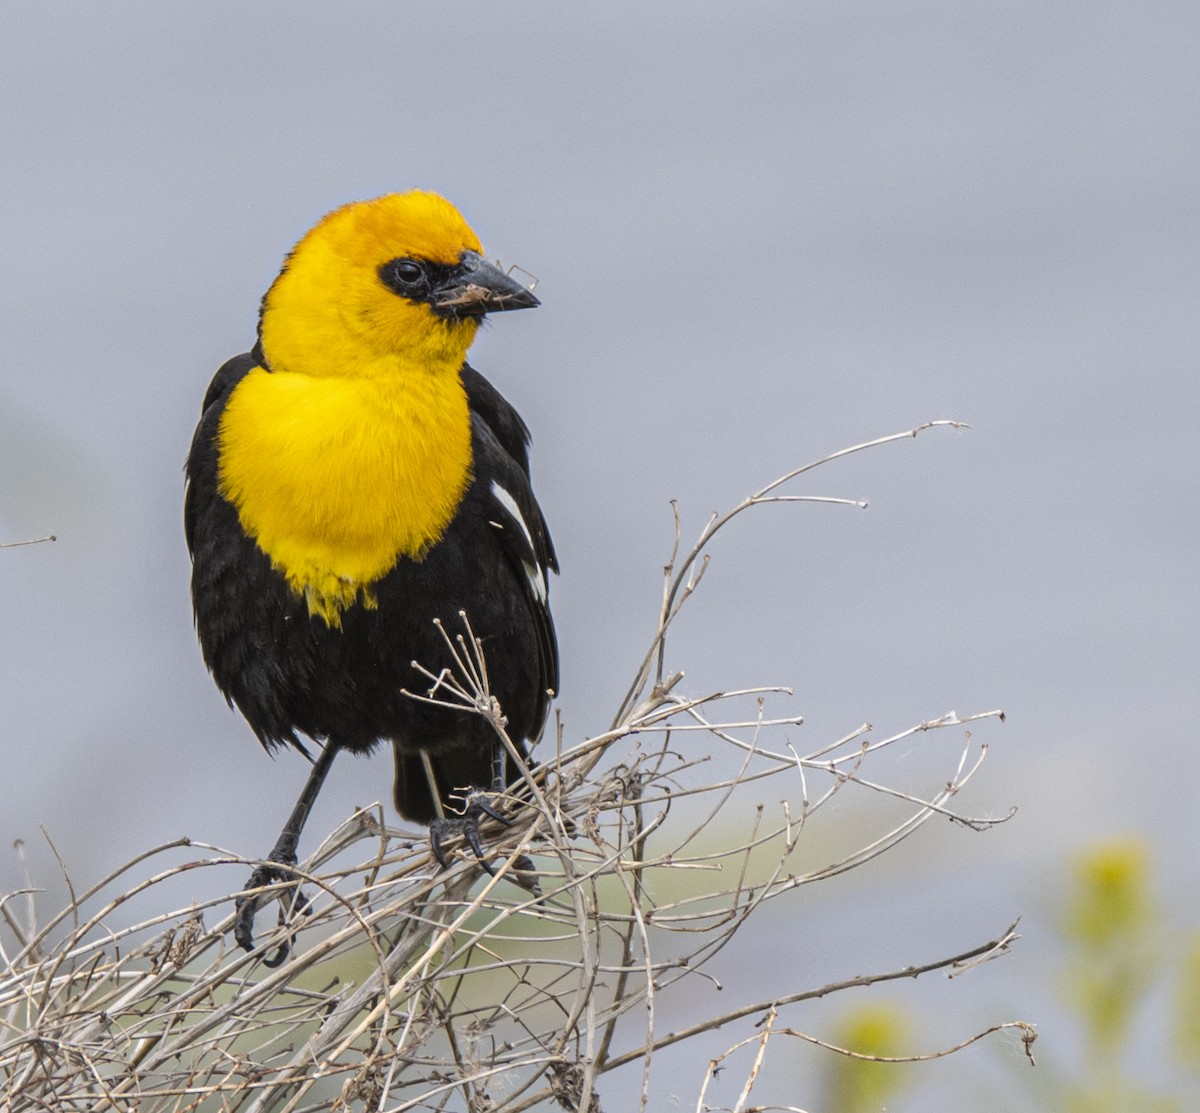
(354, 449)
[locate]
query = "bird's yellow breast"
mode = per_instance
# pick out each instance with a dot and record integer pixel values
(338, 478)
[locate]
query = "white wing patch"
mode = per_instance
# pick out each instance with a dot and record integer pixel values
(510, 504)
(533, 571)
(537, 581)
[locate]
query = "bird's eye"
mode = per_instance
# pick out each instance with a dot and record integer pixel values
(405, 276)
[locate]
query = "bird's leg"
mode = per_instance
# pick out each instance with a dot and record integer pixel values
(467, 824)
(479, 805)
(275, 869)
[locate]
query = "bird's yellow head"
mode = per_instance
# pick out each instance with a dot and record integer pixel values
(399, 282)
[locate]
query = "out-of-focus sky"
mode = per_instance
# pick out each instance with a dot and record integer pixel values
(761, 233)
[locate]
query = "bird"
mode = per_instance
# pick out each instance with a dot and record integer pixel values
(354, 489)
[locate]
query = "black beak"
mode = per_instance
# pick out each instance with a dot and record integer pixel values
(476, 287)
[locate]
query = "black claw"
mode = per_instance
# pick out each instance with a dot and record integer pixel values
(471, 834)
(292, 903)
(437, 830)
(467, 825)
(482, 804)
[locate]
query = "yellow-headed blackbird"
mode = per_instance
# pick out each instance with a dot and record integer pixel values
(351, 481)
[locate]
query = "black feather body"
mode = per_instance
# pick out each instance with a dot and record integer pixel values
(291, 674)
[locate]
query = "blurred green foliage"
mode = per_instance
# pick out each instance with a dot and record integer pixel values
(1123, 960)
(1114, 958)
(1187, 1006)
(859, 1085)
(1117, 951)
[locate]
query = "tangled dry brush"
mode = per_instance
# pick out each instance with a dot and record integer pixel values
(409, 988)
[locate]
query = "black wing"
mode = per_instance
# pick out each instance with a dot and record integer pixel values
(201, 468)
(514, 513)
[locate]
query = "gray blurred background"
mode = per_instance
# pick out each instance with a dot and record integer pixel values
(761, 233)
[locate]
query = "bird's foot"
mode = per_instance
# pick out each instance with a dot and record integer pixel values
(467, 825)
(292, 902)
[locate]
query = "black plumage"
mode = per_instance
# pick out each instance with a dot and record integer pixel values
(291, 674)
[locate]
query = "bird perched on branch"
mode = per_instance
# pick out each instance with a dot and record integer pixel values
(353, 482)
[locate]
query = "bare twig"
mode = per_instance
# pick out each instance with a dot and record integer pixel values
(34, 541)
